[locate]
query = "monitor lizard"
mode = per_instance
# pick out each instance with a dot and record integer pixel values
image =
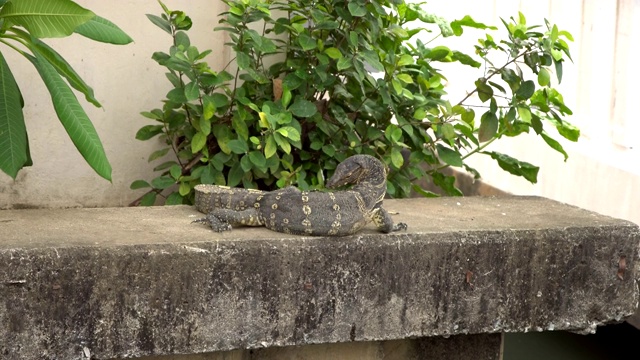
(291, 211)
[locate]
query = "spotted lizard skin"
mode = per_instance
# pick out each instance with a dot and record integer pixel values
(317, 213)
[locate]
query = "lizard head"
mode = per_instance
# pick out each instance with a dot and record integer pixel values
(356, 169)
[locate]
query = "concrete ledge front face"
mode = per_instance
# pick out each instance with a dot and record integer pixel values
(130, 282)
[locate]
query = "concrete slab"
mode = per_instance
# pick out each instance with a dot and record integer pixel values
(126, 282)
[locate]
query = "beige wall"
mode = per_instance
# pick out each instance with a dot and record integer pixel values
(126, 81)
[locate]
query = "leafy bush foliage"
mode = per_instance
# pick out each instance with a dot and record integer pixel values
(319, 81)
(22, 24)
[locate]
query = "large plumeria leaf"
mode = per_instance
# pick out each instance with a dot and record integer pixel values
(60, 64)
(46, 18)
(103, 30)
(73, 118)
(13, 133)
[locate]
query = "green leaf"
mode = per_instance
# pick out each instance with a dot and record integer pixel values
(446, 183)
(554, 144)
(344, 63)
(282, 143)
(485, 92)
(46, 18)
(176, 172)
(158, 154)
(73, 118)
(439, 53)
(192, 91)
(219, 100)
(526, 89)
(244, 61)
(236, 11)
(468, 116)
(372, 58)
(208, 174)
(465, 59)
(286, 97)
(165, 165)
(397, 86)
(235, 175)
(448, 131)
(148, 131)
(488, 126)
(176, 95)
(103, 30)
(238, 146)
(208, 107)
(139, 184)
(292, 81)
(289, 132)
(445, 28)
(468, 22)
(13, 133)
(419, 114)
(515, 166)
(162, 182)
(148, 199)
(240, 126)
(449, 156)
(329, 149)
(306, 42)
(333, 53)
(558, 67)
(544, 77)
(182, 41)
(405, 60)
(183, 190)
(174, 199)
(405, 78)
(525, 114)
(303, 108)
(205, 126)
(424, 192)
(261, 43)
(568, 131)
(258, 159)
(245, 163)
(160, 22)
(396, 158)
(356, 8)
(270, 147)
(198, 142)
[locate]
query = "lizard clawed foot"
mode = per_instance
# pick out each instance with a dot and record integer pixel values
(216, 224)
(400, 226)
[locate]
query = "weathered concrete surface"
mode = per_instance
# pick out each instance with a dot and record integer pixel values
(142, 281)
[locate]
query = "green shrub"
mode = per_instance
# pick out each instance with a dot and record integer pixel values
(305, 95)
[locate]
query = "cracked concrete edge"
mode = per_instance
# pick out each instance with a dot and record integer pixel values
(179, 291)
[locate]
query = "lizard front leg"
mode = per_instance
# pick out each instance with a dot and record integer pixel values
(384, 222)
(225, 219)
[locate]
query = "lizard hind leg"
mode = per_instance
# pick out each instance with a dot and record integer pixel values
(385, 224)
(216, 224)
(225, 219)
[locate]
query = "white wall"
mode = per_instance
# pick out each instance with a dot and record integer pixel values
(603, 170)
(126, 81)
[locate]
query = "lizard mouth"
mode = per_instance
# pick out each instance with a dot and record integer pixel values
(332, 184)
